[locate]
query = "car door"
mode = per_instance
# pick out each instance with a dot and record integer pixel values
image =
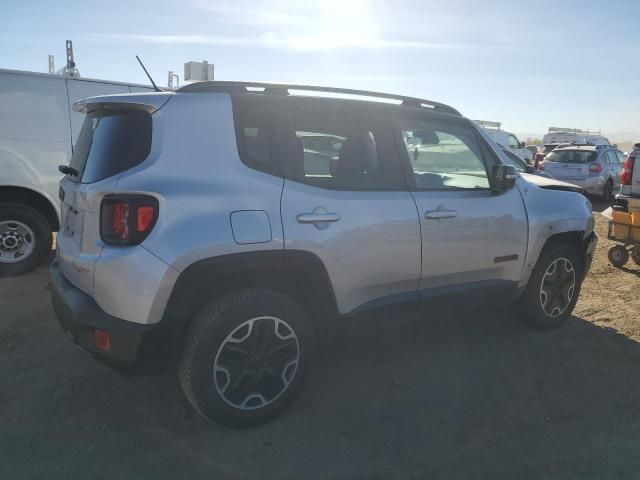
(472, 238)
(618, 157)
(345, 201)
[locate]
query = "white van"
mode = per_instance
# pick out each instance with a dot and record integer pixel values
(38, 130)
(506, 139)
(558, 135)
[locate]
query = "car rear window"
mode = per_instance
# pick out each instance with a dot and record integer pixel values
(110, 142)
(572, 156)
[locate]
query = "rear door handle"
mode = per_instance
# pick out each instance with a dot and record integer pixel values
(438, 214)
(317, 217)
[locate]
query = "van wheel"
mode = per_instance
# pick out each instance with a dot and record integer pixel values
(246, 357)
(25, 239)
(553, 289)
(618, 256)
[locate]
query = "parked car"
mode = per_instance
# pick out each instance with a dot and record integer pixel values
(192, 228)
(630, 177)
(506, 139)
(38, 131)
(596, 168)
(521, 166)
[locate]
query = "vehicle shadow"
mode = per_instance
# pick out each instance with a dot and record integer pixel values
(458, 396)
(449, 395)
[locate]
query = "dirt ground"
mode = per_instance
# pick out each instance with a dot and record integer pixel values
(449, 397)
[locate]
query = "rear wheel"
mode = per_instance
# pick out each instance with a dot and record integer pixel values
(25, 239)
(246, 357)
(553, 289)
(618, 256)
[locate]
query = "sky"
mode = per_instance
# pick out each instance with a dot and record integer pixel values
(544, 63)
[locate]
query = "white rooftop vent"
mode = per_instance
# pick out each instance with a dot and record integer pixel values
(198, 71)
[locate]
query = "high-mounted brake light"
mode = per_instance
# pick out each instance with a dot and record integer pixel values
(127, 219)
(595, 168)
(627, 168)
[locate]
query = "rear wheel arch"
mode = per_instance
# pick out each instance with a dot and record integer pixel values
(297, 274)
(32, 199)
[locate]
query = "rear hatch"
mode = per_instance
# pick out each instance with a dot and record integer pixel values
(115, 137)
(569, 164)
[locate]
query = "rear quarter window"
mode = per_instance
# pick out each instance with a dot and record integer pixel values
(110, 143)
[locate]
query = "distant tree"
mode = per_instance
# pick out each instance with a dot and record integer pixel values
(534, 141)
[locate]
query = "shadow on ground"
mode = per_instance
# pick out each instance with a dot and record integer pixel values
(452, 396)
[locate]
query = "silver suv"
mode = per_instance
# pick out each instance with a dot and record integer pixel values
(595, 168)
(213, 224)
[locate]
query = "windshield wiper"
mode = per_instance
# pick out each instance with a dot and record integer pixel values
(67, 170)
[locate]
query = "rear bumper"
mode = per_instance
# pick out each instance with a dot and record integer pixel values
(591, 185)
(134, 347)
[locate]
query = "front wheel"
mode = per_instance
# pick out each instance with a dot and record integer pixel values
(25, 239)
(553, 289)
(246, 357)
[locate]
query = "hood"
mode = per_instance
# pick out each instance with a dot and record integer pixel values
(551, 183)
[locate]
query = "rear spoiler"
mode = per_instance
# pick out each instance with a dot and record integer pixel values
(129, 101)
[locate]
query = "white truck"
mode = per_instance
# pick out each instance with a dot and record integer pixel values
(38, 131)
(506, 139)
(557, 135)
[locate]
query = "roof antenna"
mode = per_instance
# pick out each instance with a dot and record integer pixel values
(155, 87)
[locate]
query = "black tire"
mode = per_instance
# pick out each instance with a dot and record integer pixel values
(15, 212)
(618, 256)
(531, 305)
(214, 325)
(607, 191)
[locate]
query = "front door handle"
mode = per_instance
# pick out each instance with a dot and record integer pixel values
(317, 217)
(438, 214)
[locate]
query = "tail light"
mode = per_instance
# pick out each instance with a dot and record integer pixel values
(127, 219)
(595, 168)
(627, 168)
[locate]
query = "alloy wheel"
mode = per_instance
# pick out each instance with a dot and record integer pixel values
(256, 363)
(557, 287)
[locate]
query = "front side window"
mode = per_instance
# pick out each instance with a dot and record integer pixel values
(513, 142)
(443, 156)
(329, 150)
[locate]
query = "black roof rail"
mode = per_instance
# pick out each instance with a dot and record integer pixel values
(283, 90)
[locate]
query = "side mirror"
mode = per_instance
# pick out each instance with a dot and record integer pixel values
(523, 144)
(503, 177)
(529, 169)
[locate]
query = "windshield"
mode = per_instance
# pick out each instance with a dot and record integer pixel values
(572, 156)
(515, 161)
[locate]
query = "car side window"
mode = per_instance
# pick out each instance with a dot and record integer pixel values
(611, 158)
(443, 156)
(256, 135)
(513, 142)
(330, 150)
(620, 156)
